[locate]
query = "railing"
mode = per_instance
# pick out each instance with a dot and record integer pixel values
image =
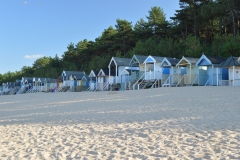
(140, 84)
(124, 86)
(165, 77)
(210, 77)
(211, 80)
(189, 79)
(137, 75)
(138, 81)
(29, 90)
(120, 79)
(68, 83)
(154, 84)
(202, 80)
(175, 78)
(194, 80)
(105, 86)
(180, 78)
(167, 81)
(21, 90)
(153, 75)
(59, 89)
(92, 87)
(100, 86)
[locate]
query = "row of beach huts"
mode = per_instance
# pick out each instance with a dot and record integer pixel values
(140, 72)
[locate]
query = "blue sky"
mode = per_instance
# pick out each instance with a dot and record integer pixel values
(33, 28)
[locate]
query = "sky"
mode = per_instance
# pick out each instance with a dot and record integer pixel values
(30, 29)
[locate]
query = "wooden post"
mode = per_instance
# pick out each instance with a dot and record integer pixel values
(154, 70)
(145, 70)
(212, 74)
(116, 73)
(233, 74)
(178, 73)
(190, 74)
(217, 76)
(109, 68)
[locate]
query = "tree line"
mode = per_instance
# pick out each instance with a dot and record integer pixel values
(209, 26)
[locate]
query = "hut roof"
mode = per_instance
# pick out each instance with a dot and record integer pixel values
(49, 80)
(93, 73)
(158, 59)
(75, 73)
(231, 61)
(170, 61)
(138, 58)
(189, 60)
(120, 61)
(154, 59)
(216, 60)
(86, 77)
(106, 72)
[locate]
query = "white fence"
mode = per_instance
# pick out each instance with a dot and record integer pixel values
(153, 75)
(165, 77)
(120, 79)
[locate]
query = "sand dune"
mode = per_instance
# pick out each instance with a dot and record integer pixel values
(165, 123)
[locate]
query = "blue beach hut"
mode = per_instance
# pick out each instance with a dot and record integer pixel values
(208, 73)
(170, 70)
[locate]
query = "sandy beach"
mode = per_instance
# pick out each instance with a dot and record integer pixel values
(164, 123)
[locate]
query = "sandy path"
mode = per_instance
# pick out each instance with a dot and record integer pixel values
(164, 123)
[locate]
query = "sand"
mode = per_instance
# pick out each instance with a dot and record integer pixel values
(164, 123)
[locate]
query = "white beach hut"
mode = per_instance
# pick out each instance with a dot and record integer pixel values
(233, 65)
(152, 68)
(117, 65)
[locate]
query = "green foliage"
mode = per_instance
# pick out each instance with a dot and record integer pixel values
(98, 63)
(193, 46)
(42, 62)
(156, 16)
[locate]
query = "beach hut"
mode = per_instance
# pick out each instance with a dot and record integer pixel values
(92, 80)
(152, 73)
(187, 72)
(233, 66)
(85, 80)
(27, 82)
(170, 70)
(152, 69)
(103, 78)
(71, 78)
(50, 84)
(118, 65)
(137, 61)
(207, 73)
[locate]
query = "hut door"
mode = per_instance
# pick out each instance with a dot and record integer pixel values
(224, 73)
(203, 77)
